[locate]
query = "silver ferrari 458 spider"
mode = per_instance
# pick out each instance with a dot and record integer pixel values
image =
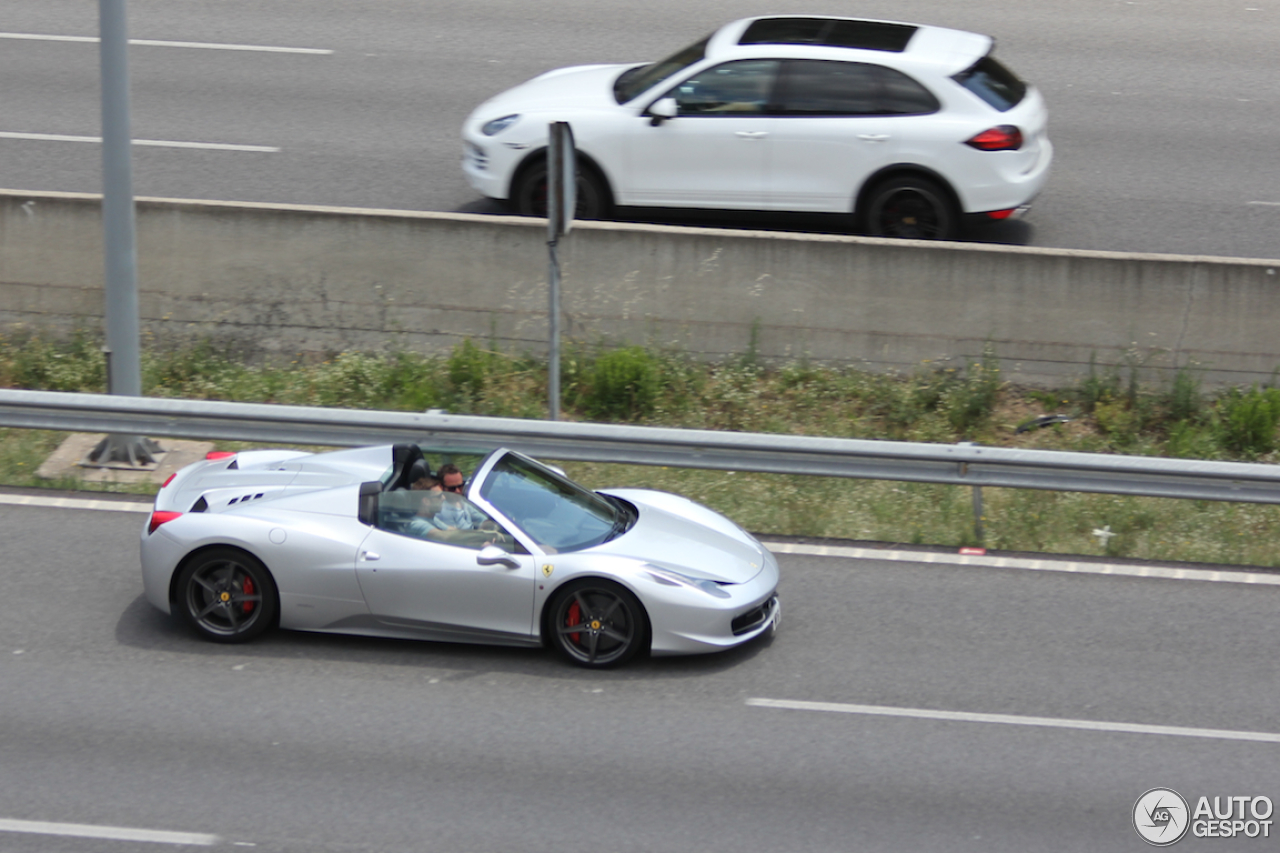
(355, 542)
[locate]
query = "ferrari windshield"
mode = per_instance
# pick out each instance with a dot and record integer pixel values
(557, 513)
(635, 81)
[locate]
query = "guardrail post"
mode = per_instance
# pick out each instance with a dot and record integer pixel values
(977, 514)
(978, 532)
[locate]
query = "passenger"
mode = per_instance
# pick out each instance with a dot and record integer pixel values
(426, 483)
(424, 522)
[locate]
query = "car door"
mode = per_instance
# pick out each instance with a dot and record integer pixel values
(713, 153)
(437, 581)
(840, 122)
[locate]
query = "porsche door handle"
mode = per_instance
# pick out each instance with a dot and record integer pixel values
(873, 137)
(751, 134)
(370, 556)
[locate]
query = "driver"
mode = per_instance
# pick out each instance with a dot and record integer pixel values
(463, 515)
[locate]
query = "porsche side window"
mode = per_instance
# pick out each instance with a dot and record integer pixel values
(735, 88)
(829, 88)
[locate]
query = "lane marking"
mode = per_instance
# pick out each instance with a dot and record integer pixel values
(1267, 203)
(1012, 720)
(74, 503)
(1043, 565)
(199, 45)
(154, 143)
(112, 833)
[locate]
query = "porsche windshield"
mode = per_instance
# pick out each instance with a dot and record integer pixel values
(635, 81)
(558, 514)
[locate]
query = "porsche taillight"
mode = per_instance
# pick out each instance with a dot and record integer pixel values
(1006, 137)
(159, 517)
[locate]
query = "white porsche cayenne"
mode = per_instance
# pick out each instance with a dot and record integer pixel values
(905, 126)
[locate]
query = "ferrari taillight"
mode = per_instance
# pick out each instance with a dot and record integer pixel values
(159, 517)
(219, 454)
(1006, 137)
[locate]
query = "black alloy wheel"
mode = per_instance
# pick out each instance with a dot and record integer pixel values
(226, 596)
(597, 624)
(529, 195)
(911, 209)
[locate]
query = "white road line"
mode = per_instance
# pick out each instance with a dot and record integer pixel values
(1011, 720)
(112, 833)
(199, 45)
(1266, 203)
(74, 503)
(154, 143)
(1041, 565)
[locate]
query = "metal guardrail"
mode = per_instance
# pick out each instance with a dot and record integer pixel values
(960, 465)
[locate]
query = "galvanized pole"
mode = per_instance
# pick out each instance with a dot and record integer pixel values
(124, 367)
(117, 204)
(561, 203)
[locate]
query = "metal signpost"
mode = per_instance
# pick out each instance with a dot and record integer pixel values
(562, 186)
(124, 367)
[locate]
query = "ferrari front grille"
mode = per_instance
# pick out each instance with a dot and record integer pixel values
(754, 618)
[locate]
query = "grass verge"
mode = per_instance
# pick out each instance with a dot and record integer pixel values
(1107, 412)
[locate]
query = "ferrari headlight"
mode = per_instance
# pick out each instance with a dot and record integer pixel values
(666, 577)
(493, 128)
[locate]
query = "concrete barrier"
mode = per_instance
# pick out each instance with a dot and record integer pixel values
(280, 279)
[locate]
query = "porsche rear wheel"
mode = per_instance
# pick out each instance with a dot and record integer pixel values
(226, 596)
(598, 624)
(911, 208)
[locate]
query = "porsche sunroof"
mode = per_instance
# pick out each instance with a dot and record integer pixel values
(830, 32)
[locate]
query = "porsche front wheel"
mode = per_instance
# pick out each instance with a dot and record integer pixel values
(529, 194)
(597, 624)
(226, 595)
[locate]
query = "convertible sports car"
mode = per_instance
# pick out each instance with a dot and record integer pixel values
(349, 543)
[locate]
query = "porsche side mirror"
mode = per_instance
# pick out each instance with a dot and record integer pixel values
(663, 109)
(492, 555)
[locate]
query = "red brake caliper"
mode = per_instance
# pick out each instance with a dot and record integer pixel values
(574, 617)
(248, 590)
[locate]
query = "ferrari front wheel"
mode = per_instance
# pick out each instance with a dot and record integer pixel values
(598, 623)
(226, 595)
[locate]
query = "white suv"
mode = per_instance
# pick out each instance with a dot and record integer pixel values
(903, 125)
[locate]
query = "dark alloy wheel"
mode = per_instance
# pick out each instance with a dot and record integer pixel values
(912, 209)
(226, 595)
(597, 624)
(529, 196)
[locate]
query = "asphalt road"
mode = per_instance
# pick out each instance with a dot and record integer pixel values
(112, 716)
(1164, 112)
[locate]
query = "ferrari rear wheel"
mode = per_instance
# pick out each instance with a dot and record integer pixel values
(597, 624)
(226, 595)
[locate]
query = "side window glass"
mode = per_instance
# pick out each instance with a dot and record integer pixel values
(735, 88)
(904, 96)
(442, 517)
(830, 88)
(826, 88)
